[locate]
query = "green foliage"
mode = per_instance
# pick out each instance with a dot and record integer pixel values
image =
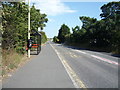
(55, 39)
(110, 9)
(37, 19)
(15, 24)
(43, 37)
(15, 32)
(11, 60)
(104, 33)
(63, 32)
(111, 15)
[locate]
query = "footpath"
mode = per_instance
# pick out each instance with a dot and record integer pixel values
(42, 71)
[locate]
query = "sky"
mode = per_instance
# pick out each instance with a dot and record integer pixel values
(67, 12)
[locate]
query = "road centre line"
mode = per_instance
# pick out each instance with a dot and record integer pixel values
(75, 79)
(97, 57)
(73, 55)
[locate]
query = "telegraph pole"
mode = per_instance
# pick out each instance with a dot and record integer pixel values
(28, 26)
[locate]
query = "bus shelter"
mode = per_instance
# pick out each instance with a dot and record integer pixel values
(35, 38)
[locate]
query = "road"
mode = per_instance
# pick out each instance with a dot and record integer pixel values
(59, 66)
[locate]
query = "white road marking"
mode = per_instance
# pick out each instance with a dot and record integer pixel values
(80, 51)
(9, 75)
(97, 57)
(73, 55)
(75, 79)
(105, 60)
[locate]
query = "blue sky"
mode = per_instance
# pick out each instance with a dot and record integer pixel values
(66, 13)
(72, 19)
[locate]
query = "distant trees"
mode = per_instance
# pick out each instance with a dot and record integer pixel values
(99, 33)
(64, 31)
(15, 24)
(43, 37)
(55, 39)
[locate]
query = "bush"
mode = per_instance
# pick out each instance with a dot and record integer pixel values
(55, 39)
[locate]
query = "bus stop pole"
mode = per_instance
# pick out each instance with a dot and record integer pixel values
(28, 26)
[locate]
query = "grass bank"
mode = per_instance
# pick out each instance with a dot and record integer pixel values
(11, 61)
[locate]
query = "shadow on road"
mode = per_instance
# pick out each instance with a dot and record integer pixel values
(103, 52)
(115, 55)
(34, 52)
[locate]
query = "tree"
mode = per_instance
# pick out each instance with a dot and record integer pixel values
(100, 36)
(111, 15)
(55, 39)
(110, 9)
(37, 19)
(15, 24)
(43, 37)
(63, 32)
(88, 27)
(77, 35)
(104, 33)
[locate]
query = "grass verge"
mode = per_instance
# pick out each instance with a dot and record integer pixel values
(11, 61)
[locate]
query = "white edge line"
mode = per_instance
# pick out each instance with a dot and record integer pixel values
(73, 81)
(81, 51)
(100, 58)
(105, 60)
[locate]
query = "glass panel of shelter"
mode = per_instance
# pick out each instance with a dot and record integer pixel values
(36, 43)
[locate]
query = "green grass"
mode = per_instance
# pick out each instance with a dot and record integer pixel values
(10, 60)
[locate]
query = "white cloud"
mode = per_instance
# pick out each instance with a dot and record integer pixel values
(51, 20)
(52, 7)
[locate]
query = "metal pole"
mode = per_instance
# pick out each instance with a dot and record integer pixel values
(28, 26)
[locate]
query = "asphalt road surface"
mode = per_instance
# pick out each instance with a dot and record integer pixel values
(59, 66)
